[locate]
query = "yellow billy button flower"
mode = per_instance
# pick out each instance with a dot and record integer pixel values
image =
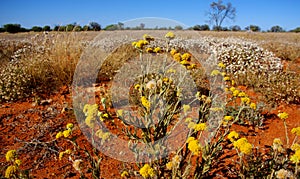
(190, 139)
(226, 78)
(170, 35)
(120, 112)
(10, 171)
(194, 147)
(232, 136)
(146, 171)
(137, 86)
(11, 155)
(228, 118)
(147, 37)
(232, 82)
(59, 135)
(215, 73)
(184, 62)
(200, 127)
(145, 102)
(283, 115)
(169, 165)
(221, 65)
(67, 133)
(18, 162)
(235, 93)
(232, 89)
(177, 57)
(295, 147)
(277, 145)
(242, 94)
(70, 126)
(296, 157)
(296, 131)
(246, 100)
(253, 106)
(149, 50)
(243, 145)
(173, 52)
(186, 107)
(157, 50)
(124, 174)
(186, 57)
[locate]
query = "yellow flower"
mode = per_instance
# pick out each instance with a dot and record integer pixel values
(277, 141)
(147, 37)
(67, 133)
(296, 157)
(68, 151)
(253, 106)
(190, 139)
(10, 155)
(200, 127)
(105, 115)
(243, 145)
(186, 107)
(77, 164)
(188, 120)
(176, 159)
(283, 115)
(137, 86)
(170, 35)
(295, 147)
(226, 78)
(194, 147)
(246, 100)
(296, 131)
(177, 57)
(145, 102)
(61, 155)
(242, 94)
(120, 112)
(186, 56)
(124, 174)
(223, 74)
(157, 50)
(169, 165)
(59, 135)
(149, 50)
(173, 52)
(18, 162)
(146, 171)
(10, 171)
(221, 65)
(171, 70)
(70, 126)
(184, 62)
(232, 136)
(90, 121)
(192, 66)
(232, 82)
(133, 44)
(216, 109)
(277, 145)
(232, 89)
(215, 73)
(228, 118)
(191, 125)
(235, 92)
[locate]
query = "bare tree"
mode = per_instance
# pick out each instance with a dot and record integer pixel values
(218, 12)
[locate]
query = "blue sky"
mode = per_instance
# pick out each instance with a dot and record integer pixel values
(264, 13)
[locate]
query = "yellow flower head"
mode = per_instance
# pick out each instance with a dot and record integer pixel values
(137, 86)
(232, 136)
(194, 147)
(253, 106)
(18, 162)
(90, 121)
(192, 66)
(184, 62)
(232, 89)
(70, 126)
(186, 107)
(223, 74)
(277, 141)
(10, 171)
(226, 78)
(188, 120)
(296, 157)
(11, 155)
(242, 94)
(190, 139)
(245, 100)
(171, 70)
(186, 56)
(124, 174)
(177, 57)
(149, 50)
(295, 147)
(77, 164)
(277, 145)
(243, 145)
(228, 118)
(200, 127)
(145, 102)
(59, 135)
(146, 171)
(283, 115)
(296, 131)
(221, 65)
(173, 52)
(232, 82)
(61, 155)
(235, 92)
(68, 151)
(191, 125)
(157, 50)
(215, 73)
(67, 133)
(169, 165)
(120, 112)
(170, 35)
(147, 37)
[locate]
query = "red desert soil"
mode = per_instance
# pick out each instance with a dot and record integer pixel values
(31, 128)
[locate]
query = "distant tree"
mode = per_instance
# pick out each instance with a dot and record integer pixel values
(12, 28)
(218, 12)
(204, 27)
(62, 28)
(253, 28)
(70, 27)
(276, 28)
(95, 26)
(178, 27)
(112, 27)
(36, 29)
(77, 28)
(56, 27)
(1, 29)
(235, 28)
(120, 25)
(297, 30)
(217, 28)
(46, 28)
(142, 26)
(86, 28)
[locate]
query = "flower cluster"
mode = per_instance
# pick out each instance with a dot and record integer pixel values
(283, 115)
(193, 145)
(66, 133)
(61, 154)
(296, 131)
(147, 171)
(11, 170)
(243, 146)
